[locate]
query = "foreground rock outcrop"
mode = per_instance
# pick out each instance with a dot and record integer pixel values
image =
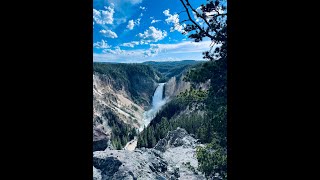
(172, 158)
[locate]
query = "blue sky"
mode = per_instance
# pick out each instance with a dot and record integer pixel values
(142, 30)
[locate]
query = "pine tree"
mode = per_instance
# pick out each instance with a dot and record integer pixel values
(153, 141)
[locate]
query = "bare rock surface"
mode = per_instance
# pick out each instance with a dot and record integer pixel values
(172, 158)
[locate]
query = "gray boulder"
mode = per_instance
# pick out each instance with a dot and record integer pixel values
(168, 160)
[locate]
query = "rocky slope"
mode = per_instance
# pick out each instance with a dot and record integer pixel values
(121, 94)
(175, 86)
(172, 158)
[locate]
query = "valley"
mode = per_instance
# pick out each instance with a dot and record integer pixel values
(131, 95)
(160, 90)
(146, 115)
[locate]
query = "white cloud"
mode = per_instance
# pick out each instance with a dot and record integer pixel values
(152, 35)
(101, 45)
(121, 15)
(116, 51)
(143, 8)
(152, 51)
(155, 21)
(104, 17)
(151, 17)
(103, 31)
(130, 25)
(185, 46)
(178, 48)
(109, 33)
(166, 12)
(130, 44)
(174, 19)
(141, 14)
(120, 20)
(156, 52)
(119, 56)
(134, 1)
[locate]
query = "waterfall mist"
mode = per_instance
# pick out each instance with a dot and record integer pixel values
(157, 102)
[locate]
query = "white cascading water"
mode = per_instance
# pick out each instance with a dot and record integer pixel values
(157, 102)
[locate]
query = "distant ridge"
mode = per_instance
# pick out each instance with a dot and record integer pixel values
(172, 68)
(150, 62)
(183, 61)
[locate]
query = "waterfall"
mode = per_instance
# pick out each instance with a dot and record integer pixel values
(157, 99)
(157, 102)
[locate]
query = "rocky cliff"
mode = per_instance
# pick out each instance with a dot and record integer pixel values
(121, 94)
(175, 86)
(172, 158)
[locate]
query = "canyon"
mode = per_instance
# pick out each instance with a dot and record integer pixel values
(126, 98)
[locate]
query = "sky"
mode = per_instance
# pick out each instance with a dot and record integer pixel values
(129, 31)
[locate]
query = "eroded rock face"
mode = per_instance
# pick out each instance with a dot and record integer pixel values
(170, 159)
(108, 166)
(96, 174)
(101, 141)
(179, 137)
(175, 86)
(100, 145)
(112, 104)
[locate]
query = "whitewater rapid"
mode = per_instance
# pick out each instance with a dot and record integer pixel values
(157, 102)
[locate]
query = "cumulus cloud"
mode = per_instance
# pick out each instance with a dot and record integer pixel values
(166, 12)
(155, 21)
(101, 45)
(109, 33)
(130, 25)
(130, 44)
(121, 15)
(174, 19)
(143, 8)
(152, 51)
(104, 16)
(115, 51)
(152, 35)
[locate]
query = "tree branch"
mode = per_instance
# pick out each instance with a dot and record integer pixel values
(216, 15)
(181, 12)
(187, 10)
(184, 21)
(205, 20)
(188, 4)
